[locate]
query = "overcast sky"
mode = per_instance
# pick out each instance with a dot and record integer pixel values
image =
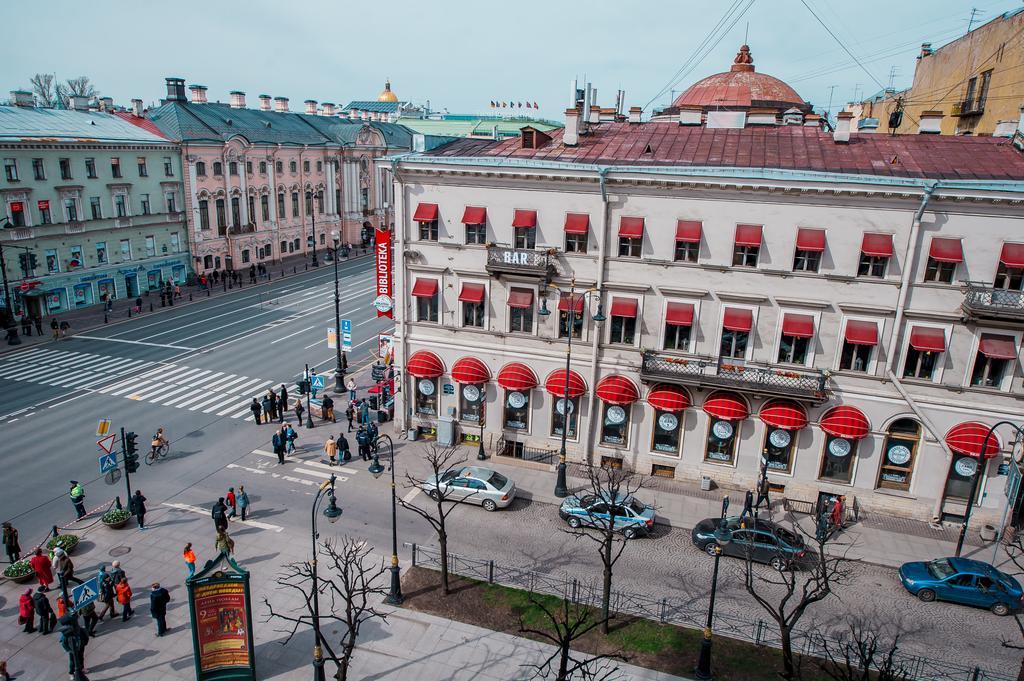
(460, 54)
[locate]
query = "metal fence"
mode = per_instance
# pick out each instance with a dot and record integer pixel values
(736, 373)
(519, 450)
(682, 612)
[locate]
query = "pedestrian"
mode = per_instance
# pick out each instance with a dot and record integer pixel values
(47, 618)
(282, 401)
(55, 327)
(158, 599)
(37, 321)
(107, 592)
(177, 291)
(65, 568)
(328, 409)
(124, 597)
(298, 411)
(350, 414)
(216, 277)
(73, 640)
(65, 328)
(343, 449)
(27, 612)
(371, 435)
(224, 543)
(272, 396)
(252, 273)
(243, 501)
(351, 385)
(364, 411)
(62, 607)
(219, 515)
(231, 502)
(88, 612)
(11, 546)
(190, 560)
(43, 568)
(265, 405)
(331, 450)
(137, 506)
(256, 410)
(77, 494)
(363, 440)
(26, 325)
(138, 304)
(312, 383)
(290, 436)
(278, 444)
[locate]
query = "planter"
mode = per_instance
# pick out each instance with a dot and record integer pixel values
(116, 518)
(19, 572)
(988, 533)
(68, 542)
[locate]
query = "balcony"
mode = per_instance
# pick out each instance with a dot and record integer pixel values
(249, 228)
(735, 374)
(982, 301)
(505, 260)
(968, 108)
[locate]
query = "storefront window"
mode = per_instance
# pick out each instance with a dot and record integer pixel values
(837, 461)
(898, 455)
(426, 396)
(961, 477)
(778, 450)
(517, 410)
(52, 263)
(471, 400)
(721, 445)
(558, 409)
(615, 425)
(668, 432)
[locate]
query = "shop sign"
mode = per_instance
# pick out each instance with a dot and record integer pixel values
(839, 447)
(616, 415)
(668, 422)
(966, 466)
(221, 613)
(723, 430)
(899, 454)
(780, 438)
(562, 405)
(517, 400)
(383, 302)
(426, 387)
(448, 389)
(471, 393)
(720, 456)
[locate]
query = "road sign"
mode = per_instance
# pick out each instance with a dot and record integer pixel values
(108, 462)
(332, 339)
(103, 427)
(84, 594)
(346, 335)
(317, 382)
(107, 443)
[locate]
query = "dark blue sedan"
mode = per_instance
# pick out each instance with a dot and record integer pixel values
(964, 581)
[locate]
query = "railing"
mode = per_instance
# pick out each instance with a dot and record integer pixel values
(968, 107)
(735, 373)
(242, 229)
(982, 300)
(519, 450)
(684, 612)
(74, 227)
(502, 259)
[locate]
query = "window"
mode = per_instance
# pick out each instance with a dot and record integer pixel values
(44, 212)
(126, 250)
(145, 204)
(520, 310)
(426, 293)
(858, 345)
(171, 201)
(721, 441)
(279, 166)
(630, 247)
(525, 237)
(745, 256)
(900, 451)
(292, 166)
(924, 352)
(558, 408)
(736, 326)
(263, 167)
(687, 251)
(265, 207)
(150, 246)
(200, 169)
(305, 166)
(52, 262)
(678, 322)
(972, 87)
(615, 425)
(837, 459)
(623, 321)
(364, 198)
(218, 168)
(115, 167)
(39, 169)
(575, 243)
(204, 214)
(570, 315)
(747, 245)
(90, 168)
(319, 166)
(11, 169)
(429, 230)
(309, 202)
(875, 252)
(96, 207)
(426, 396)
(939, 272)
(280, 207)
(475, 234)
(101, 252)
(517, 410)
(473, 299)
(284, 247)
(778, 449)
(252, 208)
(245, 255)
(233, 167)
(71, 210)
(120, 206)
(1009, 277)
(248, 167)
(295, 204)
(524, 229)
(222, 216)
(168, 167)
(872, 266)
(795, 341)
(143, 171)
(236, 211)
(175, 243)
(986, 80)
(17, 213)
(320, 202)
(992, 364)
(471, 400)
(806, 261)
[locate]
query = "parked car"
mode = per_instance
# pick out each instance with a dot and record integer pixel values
(964, 581)
(764, 542)
(629, 515)
(473, 485)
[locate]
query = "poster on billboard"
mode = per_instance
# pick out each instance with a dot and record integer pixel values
(221, 612)
(384, 302)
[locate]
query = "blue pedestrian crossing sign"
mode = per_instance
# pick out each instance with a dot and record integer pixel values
(108, 462)
(317, 382)
(84, 594)
(346, 335)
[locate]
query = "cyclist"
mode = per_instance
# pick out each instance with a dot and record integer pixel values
(158, 441)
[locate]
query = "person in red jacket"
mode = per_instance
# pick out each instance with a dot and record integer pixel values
(44, 570)
(232, 502)
(124, 597)
(27, 612)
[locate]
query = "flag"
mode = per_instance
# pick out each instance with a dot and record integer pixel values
(492, 103)
(520, 105)
(535, 105)
(528, 105)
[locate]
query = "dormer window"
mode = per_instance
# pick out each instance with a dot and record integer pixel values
(532, 138)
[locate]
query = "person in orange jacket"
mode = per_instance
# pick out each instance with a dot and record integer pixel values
(124, 597)
(190, 559)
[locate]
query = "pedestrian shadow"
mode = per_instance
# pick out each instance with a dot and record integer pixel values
(124, 658)
(264, 513)
(260, 559)
(245, 530)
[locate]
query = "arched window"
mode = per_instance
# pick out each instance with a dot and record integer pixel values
(899, 454)
(200, 169)
(208, 262)
(218, 168)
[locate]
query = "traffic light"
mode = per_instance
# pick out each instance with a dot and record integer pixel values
(23, 262)
(33, 262)
(131, 452)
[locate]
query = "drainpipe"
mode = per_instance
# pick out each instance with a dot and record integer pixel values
(602, 259)
(398, 294)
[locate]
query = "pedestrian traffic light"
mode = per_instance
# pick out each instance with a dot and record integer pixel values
(23, 262)
(131, 452)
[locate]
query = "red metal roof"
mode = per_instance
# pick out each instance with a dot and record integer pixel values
(144, 123)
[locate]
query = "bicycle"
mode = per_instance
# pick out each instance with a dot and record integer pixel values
(158, 452)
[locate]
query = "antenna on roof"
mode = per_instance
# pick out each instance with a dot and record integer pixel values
(746, 34)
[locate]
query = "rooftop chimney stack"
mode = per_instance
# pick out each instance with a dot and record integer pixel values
(931, 123)
(571, 136)
(634, 114)
(844, 121)
(198, 93)
(78, 103)
(281, 104)
(310, 106)
(22, 98)
(237, 99)
(106, 103)
(264, 102)
(926, 50)
(328, 109)
(175, 89)
(595, 115)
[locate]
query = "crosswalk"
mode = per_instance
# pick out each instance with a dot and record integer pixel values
(67, 369)
(305, 469)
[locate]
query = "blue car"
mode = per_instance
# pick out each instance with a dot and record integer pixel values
(964, 581)
(630, 517)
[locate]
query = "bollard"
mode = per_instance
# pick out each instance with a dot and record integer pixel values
(105, 320)
(414, 555)
(209, 292)
(117, 502)
(305, 268)
(170, 300)
(294, 269)
(225, 281)
(151, 306)
(129, 313)
(190, 297)
(490, 572)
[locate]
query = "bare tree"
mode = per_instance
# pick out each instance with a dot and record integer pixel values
(76, 87)
(1015, 551)
(42, 88)
(786, 589)
(598, 505)
(353, 583)
(445, 463)
(566, 623)
(862, 656)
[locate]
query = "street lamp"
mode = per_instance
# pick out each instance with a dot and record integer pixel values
(339, 371)
(10, 326)
(309, 393)
(394, 596)
(481, 455)
(561, 489)
(977, 478)
(312, 222)
(723, 535)
(332, 513)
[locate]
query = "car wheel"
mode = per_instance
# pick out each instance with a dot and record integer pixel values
(711, 548)
(489, 505)
(433, 494)
(629, 533)
(574, 522)
(777, 563)
(1001, 609)
(926, 595)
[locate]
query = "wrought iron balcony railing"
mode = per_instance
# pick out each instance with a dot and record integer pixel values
(983, 301)
(505, 260)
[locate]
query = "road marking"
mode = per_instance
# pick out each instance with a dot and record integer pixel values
(293, 334)
(325, 476)
(135, 342)
(313, 345)
(206, 512)
(166, 398)
(411, 495)
(343, 469)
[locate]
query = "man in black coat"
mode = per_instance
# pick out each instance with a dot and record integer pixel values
(220, 515)
(158, 599)
(137, 505)
(47, 618)
(73, 639)
(282, 404)
(256, 410)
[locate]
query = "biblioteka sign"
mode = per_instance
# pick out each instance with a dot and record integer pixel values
(383, 302)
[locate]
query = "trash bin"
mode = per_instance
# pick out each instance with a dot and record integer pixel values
(373, 402)
(705, 483)
(382, 416)
(412, 435)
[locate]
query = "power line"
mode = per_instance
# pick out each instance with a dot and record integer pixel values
(842, 44)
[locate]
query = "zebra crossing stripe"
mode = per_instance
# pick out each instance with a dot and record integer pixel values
(234, 408)
(173, 401)
(131, 387)
(207, 381)
(209, 409)
(229, 380)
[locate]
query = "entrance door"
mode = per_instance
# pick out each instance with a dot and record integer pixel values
(131, 285)
(961, 478)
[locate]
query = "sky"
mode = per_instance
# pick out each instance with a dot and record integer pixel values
(460, 55)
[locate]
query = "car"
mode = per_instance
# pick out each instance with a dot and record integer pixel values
(473, 485)
(964, 581)
(629, 515)
(764, 541)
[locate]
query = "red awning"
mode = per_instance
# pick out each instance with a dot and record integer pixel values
(748, 235)
(470, 370)
(617, 389)
(810, 239)
(624, 307)
(474, 215)
(997, 347)
(877, 245)
(927, 339)
(376, 389)
(577, 223)
(798, 325)
(861, 333)
(783, 414)
(844, 421)
(689, 231)
(555, 384)
(728, 406)
(631, 228)
(667, 397)
(472, 293)
(1012, 255)
(737, 319)
(563, 303)
(969, 438)
(680, 314)
(425, 212)
(946, 250)
(517, 376)
(425, 288)
(425, 364)
(524, 218)
(520, 297)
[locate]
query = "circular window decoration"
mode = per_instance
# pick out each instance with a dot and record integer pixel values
(780, 438)
(899, 454)
(966, 466)
(562, 405)
(723, 430)
(839, 447)
(471, 392)
(668, 422)
(516, 400)
(426, 387)
(616, 414)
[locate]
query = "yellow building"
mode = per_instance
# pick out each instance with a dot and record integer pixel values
(976, 82)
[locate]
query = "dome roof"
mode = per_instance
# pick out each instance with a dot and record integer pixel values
(741, 86)
(387, 95)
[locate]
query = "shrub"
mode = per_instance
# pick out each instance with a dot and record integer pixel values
(19, 569)
(116, 515)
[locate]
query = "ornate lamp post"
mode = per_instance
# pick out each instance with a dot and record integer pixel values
(723, 535)
(977, 479)
(339, 370)
(394, 596)
(481, 455)
(561, 489)
(9, 323)
(332, 513)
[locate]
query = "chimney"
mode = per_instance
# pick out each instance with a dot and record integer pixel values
(281, 104)
(106, 103)
(926, 50)
(844, 121)
(237, 99)
(22, 98)
(78, 103)
(607, 115)
(571, 136)
(175, 89)
(328, 108)
(634, 114)
(931, 123)
(137, 107)
(310, 106)
(198, 93)
(595, 115)
(264, 102)
(690, 115)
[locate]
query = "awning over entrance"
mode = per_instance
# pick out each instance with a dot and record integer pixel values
(727, 406)
(667, 397)
(846, 422)
(470, 370)
(784, 414)
(425, 364)
(969, 438)
(517, 376)
(617, 389)
(555, 384)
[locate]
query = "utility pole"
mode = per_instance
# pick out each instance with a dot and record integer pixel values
(974, 13)
(828, 109)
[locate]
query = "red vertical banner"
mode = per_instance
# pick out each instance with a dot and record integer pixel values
(384, 302)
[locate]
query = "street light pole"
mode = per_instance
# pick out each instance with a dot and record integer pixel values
(332, 512)
(977, 480)
(722, 537)
(394, 596)
(481, 455)
(309, 392)
(339, 370)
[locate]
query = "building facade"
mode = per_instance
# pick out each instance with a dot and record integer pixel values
(95, 201)
(844, 309)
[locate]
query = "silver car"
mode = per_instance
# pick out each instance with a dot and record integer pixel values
(473, 485)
